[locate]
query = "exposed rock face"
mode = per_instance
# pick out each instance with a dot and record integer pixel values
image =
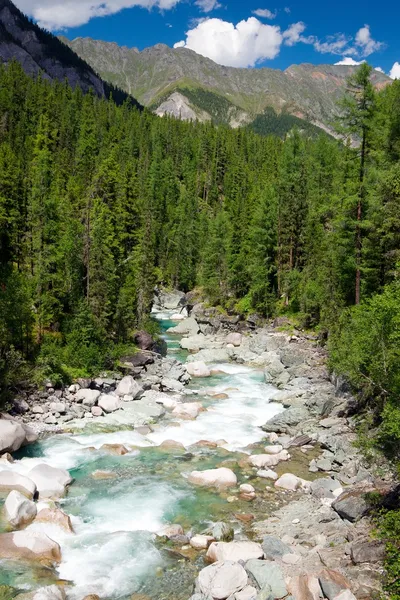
(24, 41)
(179, 106)
(352, 504)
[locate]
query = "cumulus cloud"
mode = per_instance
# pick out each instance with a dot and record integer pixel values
(61, 14)
(208, 5)
(395, 71)
(364, 42)
(349, 62)
(293, 34)
(241, 45)
(379, 69)
(334, 44)
(264, 13)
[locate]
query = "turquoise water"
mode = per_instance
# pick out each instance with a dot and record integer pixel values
(113, 551)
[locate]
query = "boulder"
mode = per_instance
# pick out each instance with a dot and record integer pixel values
(169, 300)
(332, 583)
(51, 592)
(291, 482)
(267, 474)
(171, 385)
(198, 369)
(96, 411)
(220, 478)
(284, 421)
(325, 488)
(241, 550)
(87, 397)
(268, 460)
(58, 407)
(109, 403)
(304, 587)
(19, 510)
(30, 546)
(116, 449)
(50, 482)
(222, 532)
(201, 542)
(210, 355)
(143, 340)
(194, 343)
(268, 575)
(55, 516)
(12, 436)
(129, 387)
(345, 595)
(172, 445)
(221, 580)
(188, 326)
(9, 480)
(352, 504)
(367, 551)
(275, 449)
(247, 593)
(234, 338)
(171, 531)
(190, 410)
(273, 547)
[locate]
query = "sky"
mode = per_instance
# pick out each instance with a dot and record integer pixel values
(238, 33)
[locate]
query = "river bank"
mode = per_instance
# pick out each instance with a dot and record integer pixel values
(259, 438)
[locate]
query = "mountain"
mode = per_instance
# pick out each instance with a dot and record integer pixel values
(41, 52)
(185, 84)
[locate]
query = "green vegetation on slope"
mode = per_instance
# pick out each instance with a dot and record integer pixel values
(270, 123)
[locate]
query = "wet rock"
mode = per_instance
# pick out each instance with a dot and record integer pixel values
(30, 546)
(291, 482)
(236, 551)
(189, 410)
(172, 445)
(366, 551)
(201, 542)
(219, 478)
(304, 587)
(10, 480)
(332, 583)
(109, 403)
(221, 580)
(12, 436)
(50, 482)
(51, 592)
(274, 548)
(116, 449)
(283, 422)
(87, 397)
(92, 597)
(128, 387)
(171, 531)
(19, 510)
(55, 516)
(268, 576)
(352, 504)
(198, 369)
(103, 475)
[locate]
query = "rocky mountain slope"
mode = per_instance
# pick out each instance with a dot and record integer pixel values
(175, 81)
(40, 51)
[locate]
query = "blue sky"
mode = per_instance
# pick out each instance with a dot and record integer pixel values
(248, 33)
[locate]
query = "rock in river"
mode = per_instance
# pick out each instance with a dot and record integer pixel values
(219, 478)
(50, 482)
(9, 480)
(237, 550)
(198, 369)
(19, 510)
(12, 436)
(31, 546)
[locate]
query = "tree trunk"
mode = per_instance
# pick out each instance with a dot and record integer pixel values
(359, 219)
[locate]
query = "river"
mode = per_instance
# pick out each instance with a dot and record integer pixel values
(113, 552)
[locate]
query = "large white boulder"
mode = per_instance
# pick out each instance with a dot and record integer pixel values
(55, 516)
(198, 369)
(194, 343)
(51, 592)
(201, 542)
(291, 482)
(50, 481)
(31, 546)
(220, 478)
(187, 327)
(268, 460)
(221, 580)
(12, 436)
(274, 449)
(234, 338)
(87, 397)
(10, 480)
(109, 403)
(190, 410)
(19, 510)
(129, 387)
(237, 550)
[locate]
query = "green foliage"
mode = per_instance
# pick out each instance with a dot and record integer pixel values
(388, 524)
(271, 123)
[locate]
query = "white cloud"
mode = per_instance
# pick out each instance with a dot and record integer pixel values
(208, 5)
(293, 34)
(334, 44)
(349, 62)
(243, 45)
(379, 69)
(365, 43)
(265, 13)
(395, 71)
(180, 44)
(61, 14)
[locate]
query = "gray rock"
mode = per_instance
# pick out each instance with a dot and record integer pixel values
(366, 551)
(332, 583)
(323, 488)
(37, 410)
(188, 326)
(274, 548)
(222, 532)
(12, 436)
(57, 407)
(283, 422)
(221, 580)
(352, 504)
(129, 387)
(268, 575)
(87, 397)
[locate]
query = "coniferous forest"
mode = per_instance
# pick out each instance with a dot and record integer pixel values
(99, 203)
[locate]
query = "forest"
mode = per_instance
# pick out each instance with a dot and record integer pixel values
(99, 203)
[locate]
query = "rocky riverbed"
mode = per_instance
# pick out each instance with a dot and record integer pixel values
(225, 469)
